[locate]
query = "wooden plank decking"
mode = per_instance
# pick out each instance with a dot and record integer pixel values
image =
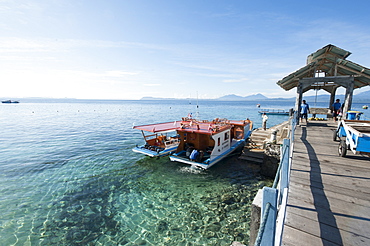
(329, 196)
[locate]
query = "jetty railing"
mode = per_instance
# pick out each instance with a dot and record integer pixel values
(274, 199)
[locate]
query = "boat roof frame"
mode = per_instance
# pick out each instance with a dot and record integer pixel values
(160, 127)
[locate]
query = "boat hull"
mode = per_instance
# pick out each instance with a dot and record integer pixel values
(286, 113)
(273, 111)
(153, 153)
(238, 145)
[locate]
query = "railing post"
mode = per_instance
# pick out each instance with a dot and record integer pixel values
(269, 196)
(284, 179)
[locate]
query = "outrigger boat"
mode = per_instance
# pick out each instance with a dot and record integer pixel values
(160, 139)
(273, 111)
(205, 143)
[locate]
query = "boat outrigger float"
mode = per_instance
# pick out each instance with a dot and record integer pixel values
(204, 143)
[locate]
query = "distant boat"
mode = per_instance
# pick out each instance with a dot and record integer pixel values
(9, 101)
(274, 111)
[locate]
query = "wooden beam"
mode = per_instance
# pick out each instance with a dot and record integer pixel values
(356, 81)
(335, 79)
(354, 71)
(349, 95)
(298, 100)
(296, 77)
(332, 96)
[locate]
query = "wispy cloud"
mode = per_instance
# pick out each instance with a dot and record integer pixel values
(120, 73)
(150, 85)
(15, 44)
(235, 80)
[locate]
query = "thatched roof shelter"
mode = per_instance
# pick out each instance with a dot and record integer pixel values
(328, 69)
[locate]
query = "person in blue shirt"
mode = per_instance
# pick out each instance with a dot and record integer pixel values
(305, 109)
(194, 155)
(336, 108)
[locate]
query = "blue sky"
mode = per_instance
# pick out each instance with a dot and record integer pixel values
(123, 49)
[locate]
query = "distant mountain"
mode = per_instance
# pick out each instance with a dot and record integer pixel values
(319, 98)
(258, 96)
(159, 98)
(151, 98)
(360, 97)
(233, 97)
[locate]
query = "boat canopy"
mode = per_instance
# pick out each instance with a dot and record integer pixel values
(238, 122)
(207, 128)
(193, 126)
(160, 127)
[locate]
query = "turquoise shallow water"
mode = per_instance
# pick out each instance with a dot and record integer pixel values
(68, 177)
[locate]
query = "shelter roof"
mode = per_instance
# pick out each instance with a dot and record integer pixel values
(330, 60)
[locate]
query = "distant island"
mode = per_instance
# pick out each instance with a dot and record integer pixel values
(357, 98)
(360, 97)
(231, 97)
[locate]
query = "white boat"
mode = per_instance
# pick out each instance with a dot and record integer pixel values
(160, 139)
(273, 111)
(205, 143)
(9, 101)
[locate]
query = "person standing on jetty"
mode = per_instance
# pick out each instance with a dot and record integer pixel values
(305, 109)
(264, 121)
(335, 109)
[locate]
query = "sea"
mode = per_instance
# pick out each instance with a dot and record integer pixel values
(68, 176)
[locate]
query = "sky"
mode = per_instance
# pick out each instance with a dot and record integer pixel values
(129, 49)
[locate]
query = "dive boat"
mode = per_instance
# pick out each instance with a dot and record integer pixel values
(205, 143)
(160, 139)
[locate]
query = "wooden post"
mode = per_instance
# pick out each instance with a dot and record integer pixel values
(284, 180)
(349, 95)
(255, 220)
(332, 96)
(298, 101)
(269, 196)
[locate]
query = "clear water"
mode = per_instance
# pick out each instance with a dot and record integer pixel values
(68, 177)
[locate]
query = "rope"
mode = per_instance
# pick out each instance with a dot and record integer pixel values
(263, 225)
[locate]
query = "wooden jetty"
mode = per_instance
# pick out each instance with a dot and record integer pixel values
(329, 196)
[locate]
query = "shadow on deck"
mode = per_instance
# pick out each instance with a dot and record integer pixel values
(329, 197)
